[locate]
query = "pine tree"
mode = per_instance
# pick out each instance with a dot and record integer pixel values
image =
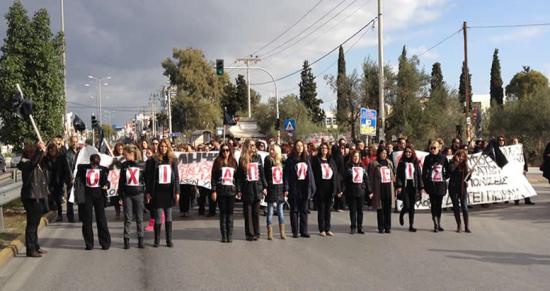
(342, 107)
(497, 92)
(436, 81)
(462, 87)
(308, 94)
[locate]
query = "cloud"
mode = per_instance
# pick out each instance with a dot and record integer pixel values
(128, 39)
(520, 34)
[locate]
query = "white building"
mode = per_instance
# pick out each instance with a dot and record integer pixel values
(330, 119)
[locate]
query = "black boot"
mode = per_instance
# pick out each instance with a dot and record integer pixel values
(168, 226)
(157, 235)
(466, 223)
(229, 229)
(439, 228)
(411, 223)
(126, 243)
(458, 223)
(401, 214)
(223, 227)
(140, 243)
(435, 224)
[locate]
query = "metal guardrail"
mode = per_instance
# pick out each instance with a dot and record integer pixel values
(8, 193)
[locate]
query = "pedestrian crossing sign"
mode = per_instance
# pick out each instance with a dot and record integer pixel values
(290, 125)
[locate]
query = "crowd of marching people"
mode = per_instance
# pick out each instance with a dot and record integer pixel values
(331, 176)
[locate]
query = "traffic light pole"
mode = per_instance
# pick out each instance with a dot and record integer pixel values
(276, 94)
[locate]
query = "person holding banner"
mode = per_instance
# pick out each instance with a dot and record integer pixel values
(300, 186)
(252, 186)
(433, 177)
(326, 173)
(94, 179)
(457, 172)
(409, 184)
(130, 188)
(224, 187)
(164, 189)
(33, 193)
(356, 188)
(273, 170)
(381, 177)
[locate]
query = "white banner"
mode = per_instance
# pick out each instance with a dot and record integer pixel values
(489, 183)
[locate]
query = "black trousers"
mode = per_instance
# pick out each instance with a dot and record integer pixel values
(356, 211)
(339, 203)
(436, 202)
(298, 216)
(459, 203)
(323, 205)
(57, 198)
(383, 215)
(33, 209)
(70, 211)
(409, 200)
(95, 204)
(226, 205)
(251, 212)
(203, 195)
(185, 197)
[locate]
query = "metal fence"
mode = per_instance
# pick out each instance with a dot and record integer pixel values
(8, 193)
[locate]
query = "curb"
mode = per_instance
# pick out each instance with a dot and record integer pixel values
(17, 244)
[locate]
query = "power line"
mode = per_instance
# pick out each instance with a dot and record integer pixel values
(440, 42)
(288, 29)
(323, 56)
(312, 32)
(308, 27)
(510, 25)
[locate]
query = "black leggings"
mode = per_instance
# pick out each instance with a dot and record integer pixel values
(226, 205)
(436, 201)
(409, 200)
(356, 211)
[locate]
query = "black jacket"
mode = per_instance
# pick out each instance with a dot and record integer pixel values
(163, 195)
(325, 188)
(298, 190)
(353, 189)
(275, 192)
(57, 173)
(35, 185)
(252, 190)
(434, 188)
(402, 181)
(218, 186)
(101, 183)
(134, 184)
(456, 176)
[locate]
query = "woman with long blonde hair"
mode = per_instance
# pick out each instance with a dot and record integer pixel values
(273, 169)
(253, 185)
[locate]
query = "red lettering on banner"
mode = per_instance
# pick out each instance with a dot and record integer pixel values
(326, 171)
(301, 171)
(252, 172)
(165, 174)
(385, 174)
(92, 178)
(132, 176)
(227, 176)
(357, 175)
(277, 175)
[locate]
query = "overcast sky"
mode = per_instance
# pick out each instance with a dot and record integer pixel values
(127, 40)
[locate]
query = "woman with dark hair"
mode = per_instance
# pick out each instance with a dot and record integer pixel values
(338, 155)
(326, 181)
(433, 177)
(224, 187)
(273, 170)
(187, 190)
(163, 190)
(117, 163)
(33, 193)
(409, 183)
(118, 150)
(381, 177)
(300, 186)
(58, 174)
(457, 172)
(252, 184)
(356, 188)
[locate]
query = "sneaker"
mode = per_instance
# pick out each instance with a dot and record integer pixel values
(329, 233)
(323, 234)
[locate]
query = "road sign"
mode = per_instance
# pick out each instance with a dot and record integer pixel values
(368, 122)
(289, 125)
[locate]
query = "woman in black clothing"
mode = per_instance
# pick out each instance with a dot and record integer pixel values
(356, 189)
(224, 187)
(381, 178)
(433, 177)
(33, 193)
(326, 173)
(252, 184)
(300, 186)
(457, 172)
(164, 189)
(117, 163)
(409, 181)
(58, 174)
(273, 170)
(338, 154)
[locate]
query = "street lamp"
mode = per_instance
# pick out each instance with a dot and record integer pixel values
(100, 82)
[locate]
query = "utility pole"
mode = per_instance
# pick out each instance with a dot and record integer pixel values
(247, 61)
(65, 122)
(169, 92)
(467, 81)
(382, 125)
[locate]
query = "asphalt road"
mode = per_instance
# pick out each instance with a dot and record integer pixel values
(509, 249)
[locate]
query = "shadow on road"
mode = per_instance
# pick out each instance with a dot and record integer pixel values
(507, 258)
(537, 213)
